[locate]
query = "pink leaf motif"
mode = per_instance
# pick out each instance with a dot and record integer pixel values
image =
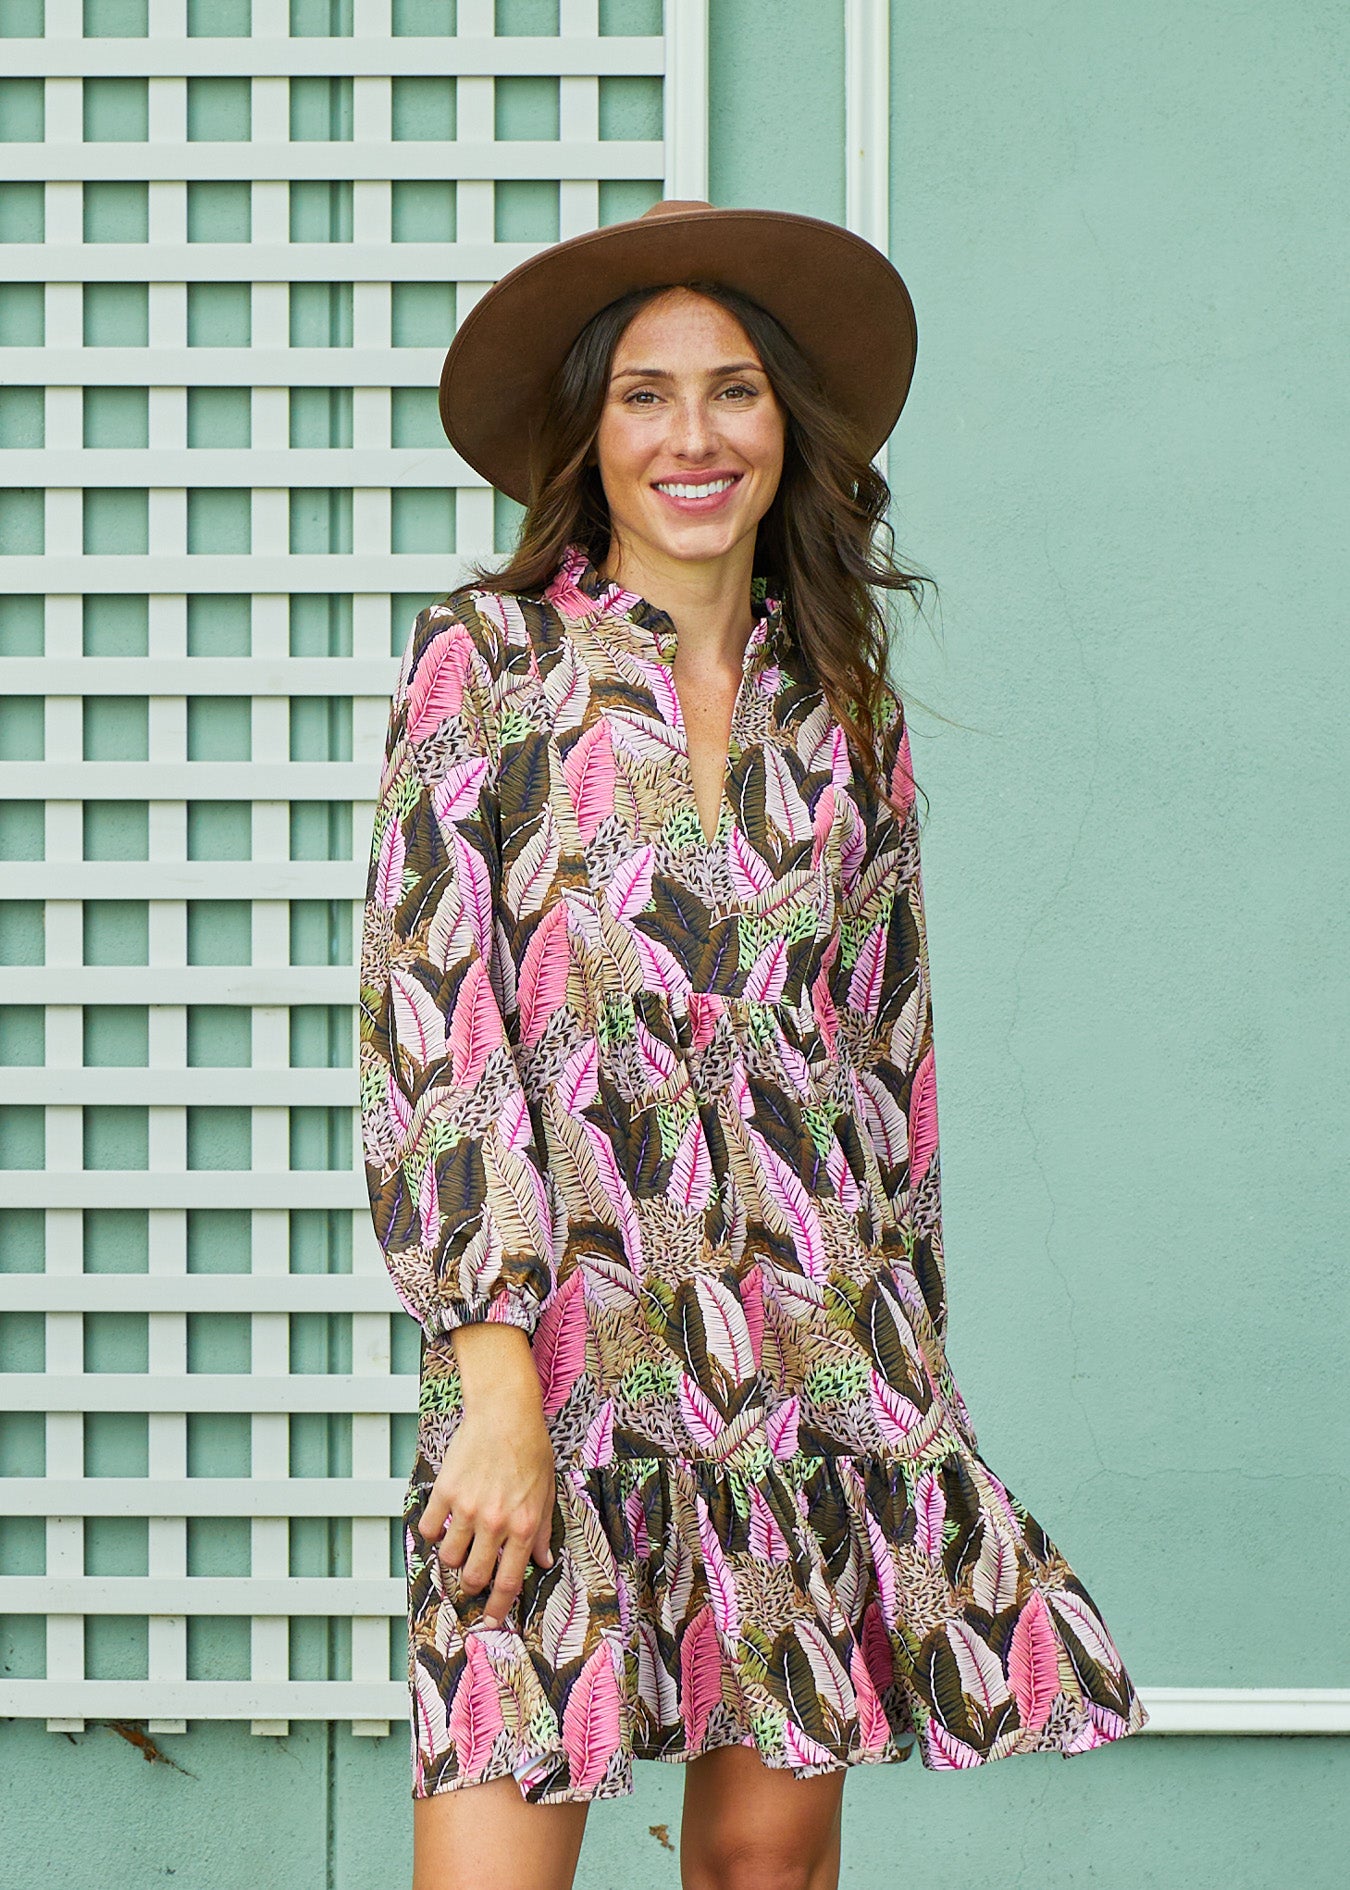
(589, 772)
(930, 1510)
(474, 885)
(822, 821)
(923, 1126)
(436, 691)
(705, 1007)
(559, 1344)
(389, 867)
(661, 969)
(476, 1027)
(864, 987)
(1033, 1662)
(895, 1414)
(750, 872)
(590, 1729)
(802, 1749)
(418, 1023)
(701, 1418)
(598, 1448)
(822, 1003)
(579, 1084)
(877, 1649)
(842, 1177)
(476, 1715)
(766, 977)
(883, 1565)
(637, 1523)
(752, 1299)
(616, 1192)
(902, 784)
(721, 1582)
(429, 1205)
(691, 1170)
(767, 1541)
(700, 1675)
(794, 1204)
(945, 1752)
(873, 1725)
(630, 889)
(456, 794)
(400, 1112)
(781, 1428)
(543, 973)
(657, 1059)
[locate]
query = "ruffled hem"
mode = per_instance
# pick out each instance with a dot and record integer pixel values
(824, 1611)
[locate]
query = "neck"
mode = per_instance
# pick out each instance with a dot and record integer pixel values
(709, 602)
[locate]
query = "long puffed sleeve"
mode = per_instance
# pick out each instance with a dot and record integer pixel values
(882, 994)
(461, 1205)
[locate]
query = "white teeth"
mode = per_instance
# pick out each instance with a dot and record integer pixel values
(704, 491)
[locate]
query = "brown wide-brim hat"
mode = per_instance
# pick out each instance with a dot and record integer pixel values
(840, 299)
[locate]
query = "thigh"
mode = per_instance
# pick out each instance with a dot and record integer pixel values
(491, 1834)
(745, 1824)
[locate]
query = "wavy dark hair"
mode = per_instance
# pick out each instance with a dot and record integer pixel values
(824, 545)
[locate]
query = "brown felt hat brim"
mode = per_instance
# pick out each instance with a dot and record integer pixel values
(840, 299)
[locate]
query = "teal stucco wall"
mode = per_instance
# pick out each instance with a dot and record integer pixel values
(1121, 462)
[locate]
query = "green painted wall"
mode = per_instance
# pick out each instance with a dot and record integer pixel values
(1120, 462)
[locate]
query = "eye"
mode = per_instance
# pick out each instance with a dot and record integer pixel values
(741, 390)
(639, 395)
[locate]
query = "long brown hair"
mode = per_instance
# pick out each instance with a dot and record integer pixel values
(824, 545)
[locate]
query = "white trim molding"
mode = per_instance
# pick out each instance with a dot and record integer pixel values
(687, 99)
(1254, 1711)
(867, 120)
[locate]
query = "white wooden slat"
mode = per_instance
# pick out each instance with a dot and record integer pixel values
(193, 984)
(319, 1190)
(203, 1699)
(191, 879)
(379, 57)
(229, 163)
(265, 675)
(322, 575)
(232, 1088)
(61, 1391)
(239, 466)
(196, 1292)
(380, 1497)
(273, 1597)
(65, 362)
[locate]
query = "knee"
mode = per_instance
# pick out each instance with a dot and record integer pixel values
(734, 1864)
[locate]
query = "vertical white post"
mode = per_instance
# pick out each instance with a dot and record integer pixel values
(867, 126)
(687, 99)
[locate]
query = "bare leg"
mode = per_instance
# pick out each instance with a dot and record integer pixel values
(490, 1834)
(747, 1827)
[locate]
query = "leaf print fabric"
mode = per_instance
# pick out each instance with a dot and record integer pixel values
(669, 1105)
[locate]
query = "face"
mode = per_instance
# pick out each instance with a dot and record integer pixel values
(690, 443)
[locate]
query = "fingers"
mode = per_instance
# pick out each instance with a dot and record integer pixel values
(510, 1576)
(541, 1549)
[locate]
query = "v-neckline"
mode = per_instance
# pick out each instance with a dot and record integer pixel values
(610, 603)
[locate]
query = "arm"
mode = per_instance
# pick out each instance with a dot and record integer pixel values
(460, 1204)
(458, 1198)
(882, 993)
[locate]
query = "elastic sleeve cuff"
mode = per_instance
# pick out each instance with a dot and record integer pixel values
(513, 1306)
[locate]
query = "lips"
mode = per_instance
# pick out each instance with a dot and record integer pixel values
(697, 497)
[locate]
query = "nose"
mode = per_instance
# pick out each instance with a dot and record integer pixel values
(693, 435)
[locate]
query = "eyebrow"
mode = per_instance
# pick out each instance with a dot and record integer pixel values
(664, 374)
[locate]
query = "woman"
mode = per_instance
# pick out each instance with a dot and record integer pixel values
(648, 1097)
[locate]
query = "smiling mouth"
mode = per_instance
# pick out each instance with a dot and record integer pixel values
(696, 489)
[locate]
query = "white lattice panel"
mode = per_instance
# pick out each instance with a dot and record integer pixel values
(60, 173)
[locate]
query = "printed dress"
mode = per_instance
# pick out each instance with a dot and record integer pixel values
(667, 1103)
